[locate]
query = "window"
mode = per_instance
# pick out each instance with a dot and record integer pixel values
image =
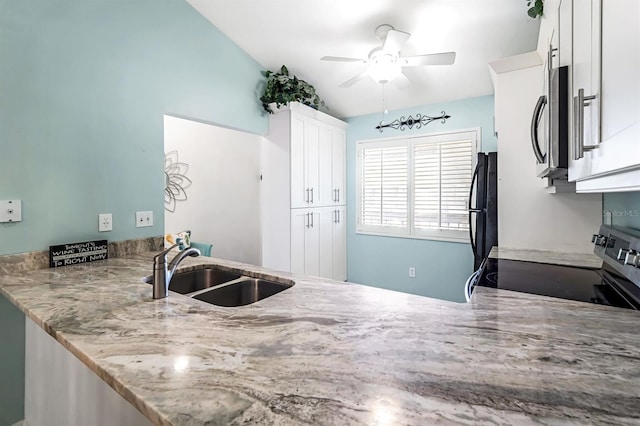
(416, 187)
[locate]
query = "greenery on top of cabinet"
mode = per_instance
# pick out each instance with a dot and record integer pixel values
(282, 88)
(535, 8)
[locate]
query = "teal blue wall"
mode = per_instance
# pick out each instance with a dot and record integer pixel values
(624, 208)
(11, 363)
(441, 267)
(83, 89)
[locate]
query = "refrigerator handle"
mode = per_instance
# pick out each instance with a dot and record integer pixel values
(535, 120)
(473, 210)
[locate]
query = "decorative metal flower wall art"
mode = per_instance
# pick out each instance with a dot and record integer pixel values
(176, 180)
(410, 122)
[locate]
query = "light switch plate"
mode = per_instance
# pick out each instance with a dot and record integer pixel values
(10, 210)
(144, 219)
(105, 222)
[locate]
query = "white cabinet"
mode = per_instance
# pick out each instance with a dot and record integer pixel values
(303, 183)
(318, 242)
(338, 167)
(339, 243)
(305, 170)
(305, 241)
(585, 73)
(606, 90)
(317, 162)
(61, 390)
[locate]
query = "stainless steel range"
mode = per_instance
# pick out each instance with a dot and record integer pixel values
(617, 283)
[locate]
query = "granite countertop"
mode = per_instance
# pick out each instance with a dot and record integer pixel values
(582, 260)
(325, 352)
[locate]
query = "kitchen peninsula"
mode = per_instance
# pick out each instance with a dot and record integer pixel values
(326, 352)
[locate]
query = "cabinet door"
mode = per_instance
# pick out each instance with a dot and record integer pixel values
(615, 54)
(312, 160)
(339, 237)
(325, 183)
(620, 103)
(298, 182)
(338, 166)
(299, 225)
(564, 32)
(586, 77)
(326, 241)
(554, 49)
(312, 245)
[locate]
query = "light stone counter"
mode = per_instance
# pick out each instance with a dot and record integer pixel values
(335, 353)
(582, 260)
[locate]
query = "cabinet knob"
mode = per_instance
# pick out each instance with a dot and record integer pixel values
(599, 240)
(632, 258)
(622, 254)
(579, 102)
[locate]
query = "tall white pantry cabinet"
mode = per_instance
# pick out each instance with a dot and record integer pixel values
(303, 193)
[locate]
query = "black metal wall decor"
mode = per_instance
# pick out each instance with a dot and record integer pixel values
(420, 120)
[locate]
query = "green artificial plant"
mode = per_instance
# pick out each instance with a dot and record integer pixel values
(282, 88)
(535, 8)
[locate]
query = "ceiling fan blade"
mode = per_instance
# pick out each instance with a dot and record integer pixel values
(446, 58)
(394, 42)
(401, 82)
(354, 80)
(341, 59)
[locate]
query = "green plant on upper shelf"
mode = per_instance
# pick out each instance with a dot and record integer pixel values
(535, 8)
(282, 88)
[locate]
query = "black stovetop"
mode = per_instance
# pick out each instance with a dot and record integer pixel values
(565, 282)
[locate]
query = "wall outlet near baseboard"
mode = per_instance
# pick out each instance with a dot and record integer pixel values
(144, 219)
(412, 272)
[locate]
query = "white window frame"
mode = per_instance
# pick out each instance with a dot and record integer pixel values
(458, 236)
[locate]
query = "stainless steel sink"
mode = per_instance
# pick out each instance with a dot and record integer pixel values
(199, 279)
(242, 292)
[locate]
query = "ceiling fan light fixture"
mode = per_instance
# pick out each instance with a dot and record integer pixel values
(384, 68)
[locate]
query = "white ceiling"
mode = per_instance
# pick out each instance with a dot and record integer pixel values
(298, 33)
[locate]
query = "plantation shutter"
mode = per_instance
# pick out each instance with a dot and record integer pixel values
(441, 185)
(384, 186)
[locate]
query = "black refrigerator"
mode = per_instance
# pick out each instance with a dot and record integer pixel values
(483, 207)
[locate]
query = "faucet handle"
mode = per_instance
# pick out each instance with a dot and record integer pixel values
(161, 257)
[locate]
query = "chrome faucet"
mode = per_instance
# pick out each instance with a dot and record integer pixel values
(163, 272)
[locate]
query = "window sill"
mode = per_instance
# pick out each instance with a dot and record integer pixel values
(460, 240)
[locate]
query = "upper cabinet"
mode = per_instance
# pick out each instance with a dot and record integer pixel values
(605, 113)
(317, 162)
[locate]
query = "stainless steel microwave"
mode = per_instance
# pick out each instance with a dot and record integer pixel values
(550, 126)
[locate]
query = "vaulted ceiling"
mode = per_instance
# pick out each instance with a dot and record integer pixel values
(298, 33)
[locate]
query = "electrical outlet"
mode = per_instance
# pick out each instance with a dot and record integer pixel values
(412, 272)
(144, 219)
(105, 222)
(10, 210)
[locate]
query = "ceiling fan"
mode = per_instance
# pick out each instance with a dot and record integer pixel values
(385, 63)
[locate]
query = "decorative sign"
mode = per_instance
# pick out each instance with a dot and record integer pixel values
(71, 254)
(410, 122)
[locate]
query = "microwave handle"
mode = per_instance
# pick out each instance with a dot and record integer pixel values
(535, 120)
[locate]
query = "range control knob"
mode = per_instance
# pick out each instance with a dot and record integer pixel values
(599, 240)
(632, 258)
(622, 254)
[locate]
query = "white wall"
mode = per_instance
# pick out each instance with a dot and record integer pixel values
(223, 205)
